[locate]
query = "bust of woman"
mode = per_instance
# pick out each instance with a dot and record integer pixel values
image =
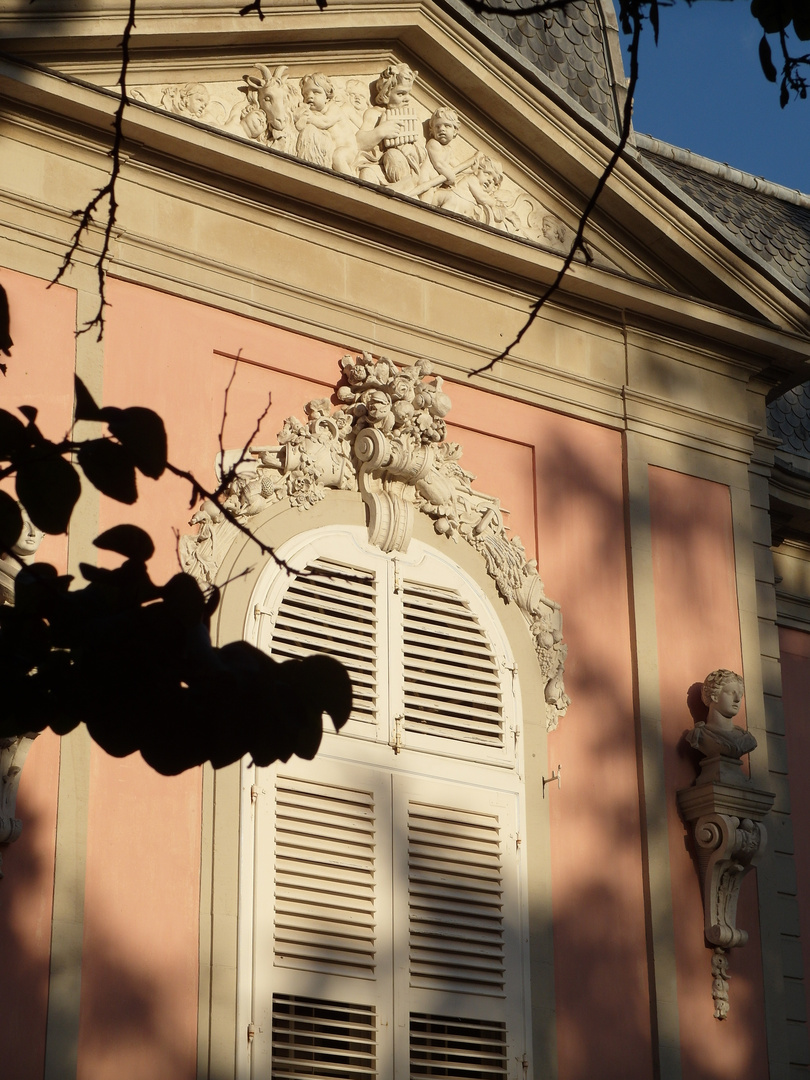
(722, 692)
(22, 553)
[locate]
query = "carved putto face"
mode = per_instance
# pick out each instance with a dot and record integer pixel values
(400, 95)
(443, 130)
(196, 99)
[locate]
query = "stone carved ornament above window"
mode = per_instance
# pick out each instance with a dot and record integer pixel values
(370, 127)
(386, 439)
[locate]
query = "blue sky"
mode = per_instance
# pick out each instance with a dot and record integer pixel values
(702, 88)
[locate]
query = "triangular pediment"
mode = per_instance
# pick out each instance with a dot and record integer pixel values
(216, 91)
(331, 111)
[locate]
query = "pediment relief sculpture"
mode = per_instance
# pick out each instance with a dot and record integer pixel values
(386, 440)
(372, 127)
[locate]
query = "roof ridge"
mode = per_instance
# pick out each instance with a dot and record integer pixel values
(721, 170)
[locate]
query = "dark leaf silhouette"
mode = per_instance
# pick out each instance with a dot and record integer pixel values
(766, 60)
(142, 433)
(127, 540)
(13, 435)
(5, 325)
(86, 408)
(108, 466)
(11, 522)
(48, 487)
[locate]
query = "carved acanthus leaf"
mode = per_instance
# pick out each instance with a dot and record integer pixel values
(386, 439)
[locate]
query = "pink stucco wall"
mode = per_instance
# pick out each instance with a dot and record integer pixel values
(141, 932)
(795, 656)
(40, 373)
(562, 480)
(698, 630)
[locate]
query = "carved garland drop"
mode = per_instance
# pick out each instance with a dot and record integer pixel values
(387, 440)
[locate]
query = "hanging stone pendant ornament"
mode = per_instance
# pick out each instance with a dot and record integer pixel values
(723, 810)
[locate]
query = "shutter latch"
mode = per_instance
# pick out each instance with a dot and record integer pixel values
(251, 1033)
(396, 738)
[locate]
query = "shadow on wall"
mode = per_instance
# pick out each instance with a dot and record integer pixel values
(124, 1025)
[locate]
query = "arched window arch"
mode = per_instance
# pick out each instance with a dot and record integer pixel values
(383, 885)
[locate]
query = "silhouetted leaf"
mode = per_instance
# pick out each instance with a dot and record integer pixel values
(184, 599)
(654, 18)
(13, 434)
(801, 21)
(772, 15)
(5, 325)
(48, 488)
(109, 468)
(784, 94)
(11, 522)
(127, 540)
(143, 434)
(766, 61)
(29, 412)
(328, 682)
(86, 408)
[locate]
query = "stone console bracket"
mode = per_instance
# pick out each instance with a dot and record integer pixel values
(724, 820)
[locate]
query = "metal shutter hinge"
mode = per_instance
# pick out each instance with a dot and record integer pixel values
(396, 739)
(254, 793)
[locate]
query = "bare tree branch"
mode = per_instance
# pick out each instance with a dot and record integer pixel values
(633, 15)
(86, 216)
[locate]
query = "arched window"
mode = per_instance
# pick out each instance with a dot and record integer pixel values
(385, 880)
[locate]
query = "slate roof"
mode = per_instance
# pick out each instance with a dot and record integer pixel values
(571, 47)
(789, 420)
(776, 228)
(772, 223)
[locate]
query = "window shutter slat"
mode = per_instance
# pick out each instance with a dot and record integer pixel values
(452, 684)
(330, 608)
(325, 874)
(454, 868)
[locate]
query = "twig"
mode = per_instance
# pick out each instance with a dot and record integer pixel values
(108, 191)
(635, 18)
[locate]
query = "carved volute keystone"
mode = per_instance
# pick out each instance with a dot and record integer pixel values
(386, 440)
(724, 812)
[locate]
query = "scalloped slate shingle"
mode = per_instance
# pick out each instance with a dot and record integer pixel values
(789, 420)
(777, 231)
(570, 47)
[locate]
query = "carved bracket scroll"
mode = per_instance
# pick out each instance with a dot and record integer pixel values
(724, 812)
(386, 440)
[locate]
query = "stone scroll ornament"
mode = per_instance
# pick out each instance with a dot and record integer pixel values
(386, 439)
(724, 812)
(14, 750)
(371, 128)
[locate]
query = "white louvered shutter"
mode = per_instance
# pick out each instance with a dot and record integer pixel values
(321, 940)
(459, 991)
(388, 941)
